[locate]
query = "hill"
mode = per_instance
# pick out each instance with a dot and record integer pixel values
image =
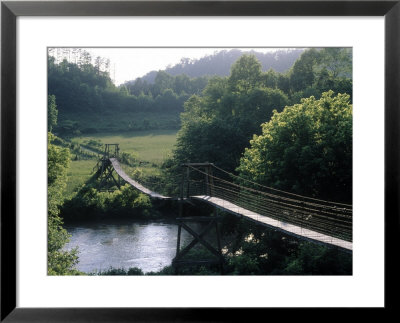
(220, 63)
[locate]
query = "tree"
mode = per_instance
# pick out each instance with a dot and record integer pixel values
(305, 149)
(270, 79)
(182, 84)
(162, 82)
(337, 61)
(60, 262)
(313, 259)
(302, 73)
(245, 73)
(52, 112)
(321, 70)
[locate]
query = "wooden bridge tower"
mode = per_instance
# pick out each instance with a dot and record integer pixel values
(105, 170)
(210, 222)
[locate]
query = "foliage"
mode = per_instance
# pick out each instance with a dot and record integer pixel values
(217, 126)
(317, 71)
(312, 259)
(60, 262)
(197, 253)
(306, 149)
(90, 203)
(52, 112)
(128, 159)
(133, 271)
(245, 74)
(252, 249)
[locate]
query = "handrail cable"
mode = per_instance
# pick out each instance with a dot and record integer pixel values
(281, 191)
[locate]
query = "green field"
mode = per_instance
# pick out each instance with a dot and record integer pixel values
(151, 146)
(78, 173)
(148, 145)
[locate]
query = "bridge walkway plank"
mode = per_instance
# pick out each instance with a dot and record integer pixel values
(276, 224)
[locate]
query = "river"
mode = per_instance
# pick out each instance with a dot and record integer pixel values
(149, 246)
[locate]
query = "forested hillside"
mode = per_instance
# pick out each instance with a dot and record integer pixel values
(220, 63)
(88, 101)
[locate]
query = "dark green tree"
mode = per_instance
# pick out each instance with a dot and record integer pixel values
(302, 73)
(321, 70)
(52, 112)
(245, 73)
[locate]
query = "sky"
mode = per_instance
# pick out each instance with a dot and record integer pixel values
(130, 63)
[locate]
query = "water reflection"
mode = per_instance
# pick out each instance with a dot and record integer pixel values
(148, 246)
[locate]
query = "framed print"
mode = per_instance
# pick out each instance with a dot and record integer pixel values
(346, 41)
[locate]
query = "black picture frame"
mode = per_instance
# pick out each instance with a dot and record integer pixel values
(10, 10)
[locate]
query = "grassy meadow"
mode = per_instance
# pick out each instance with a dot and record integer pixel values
(78, 173)
(147, 145)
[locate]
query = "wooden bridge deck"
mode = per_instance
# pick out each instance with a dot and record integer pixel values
(135, 184)
(275, 224)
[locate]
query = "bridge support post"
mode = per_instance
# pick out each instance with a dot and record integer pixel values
(210, 223)
(107, 178)
(209, 180)
(221, 266)
(105, 168)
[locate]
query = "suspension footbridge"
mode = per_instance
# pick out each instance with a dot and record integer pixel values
(306, 218)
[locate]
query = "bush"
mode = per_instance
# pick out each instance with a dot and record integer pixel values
(134, 271)
(91, 203)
